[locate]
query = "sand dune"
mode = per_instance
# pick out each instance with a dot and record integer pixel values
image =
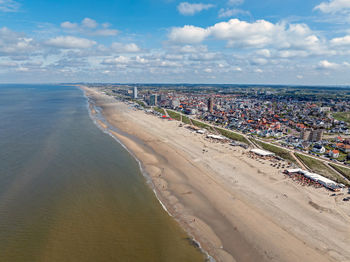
(239, 208)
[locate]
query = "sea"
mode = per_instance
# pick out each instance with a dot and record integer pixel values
(70, 192)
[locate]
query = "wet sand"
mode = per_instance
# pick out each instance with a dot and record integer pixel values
(238, 208)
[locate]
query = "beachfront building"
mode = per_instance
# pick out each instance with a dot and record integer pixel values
(134, 94)
(262, 153)
(153, 100)
(327, 183)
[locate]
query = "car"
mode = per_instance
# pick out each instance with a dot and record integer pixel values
(346, 199)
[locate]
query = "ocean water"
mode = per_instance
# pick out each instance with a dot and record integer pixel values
(69, 192)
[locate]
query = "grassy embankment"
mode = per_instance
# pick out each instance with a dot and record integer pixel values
(174, 115)
(319, 167)
(159, 110)
(226, 133)
(139, 102)
(342, 170)
(232, 135)
(283, 153)
(177, 116)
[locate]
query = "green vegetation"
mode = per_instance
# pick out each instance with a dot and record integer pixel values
(342, 170)
(158, 109)
(174, 115)
(186, 120)
(139, 102)
(283, 153)
(232, 135)
(342, 116)
(319, 167)
(200, 124)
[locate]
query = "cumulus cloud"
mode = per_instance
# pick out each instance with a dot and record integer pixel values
(324, 64)
(258, 34)
(116, 60)
(186, 8)
(125, 48)
(89, 23)
(89, 26)
(70, 42)
(15, 44)
(232, 12)
(341, 41)
(263, 52)
(334, 6)
(69, 25)
(9, 6)
(188, 34)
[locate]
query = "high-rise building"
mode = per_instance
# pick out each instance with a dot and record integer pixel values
(311, 135)
(305, 134)
(134, 94)
(316, 135)
(153, 100)
(211, 105)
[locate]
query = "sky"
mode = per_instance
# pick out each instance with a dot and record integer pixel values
(293, 42)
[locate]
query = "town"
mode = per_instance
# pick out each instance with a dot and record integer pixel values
(301, 125)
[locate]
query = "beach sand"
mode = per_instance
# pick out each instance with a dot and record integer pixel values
(238, 207)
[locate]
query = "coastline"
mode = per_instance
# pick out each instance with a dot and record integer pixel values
(100, 122)
(230, 225)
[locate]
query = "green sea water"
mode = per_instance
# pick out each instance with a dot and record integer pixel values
(69, 192)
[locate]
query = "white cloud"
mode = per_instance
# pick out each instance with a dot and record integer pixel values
(334, 6)
(89, 23)
(69, 25)
(186, 8)
(258, 34)
(9, 6)
(90, 27)
(15, 44)
(324, 64)
(232, 12)
(116, 60)
(125, 48)
(264, 52)
(235, 2)
(341, 41)
(188, 34)
(70, 42)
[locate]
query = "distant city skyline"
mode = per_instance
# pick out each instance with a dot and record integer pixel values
(169, 41)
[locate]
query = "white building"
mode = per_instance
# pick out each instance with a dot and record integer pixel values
(134, 94)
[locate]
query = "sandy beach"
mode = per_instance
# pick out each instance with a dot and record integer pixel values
(238, 207)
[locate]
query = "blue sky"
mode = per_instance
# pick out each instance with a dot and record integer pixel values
(171, 41)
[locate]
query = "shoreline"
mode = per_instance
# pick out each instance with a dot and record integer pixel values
(98, 119)
(200, 199)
